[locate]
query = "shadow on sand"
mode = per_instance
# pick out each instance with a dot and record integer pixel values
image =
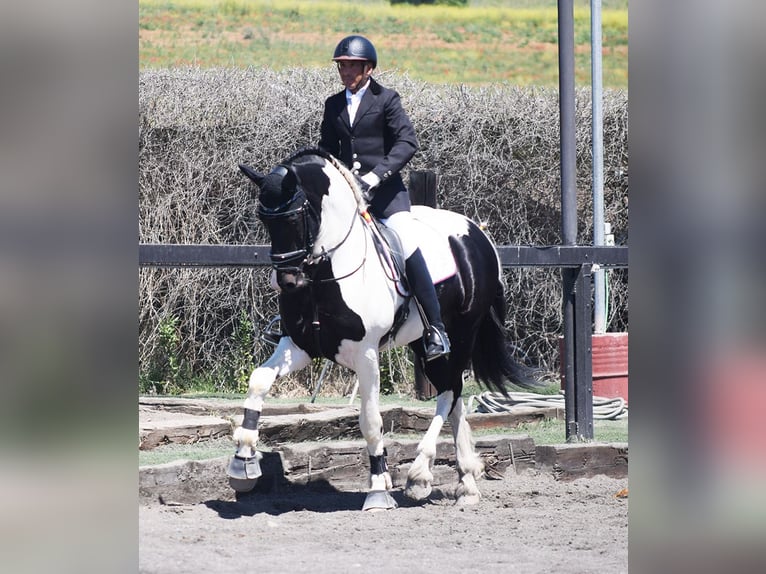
(274, 494)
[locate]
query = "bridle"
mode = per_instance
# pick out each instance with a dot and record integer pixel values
(297, 206)
(301, 262)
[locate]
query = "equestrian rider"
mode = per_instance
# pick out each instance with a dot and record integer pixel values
(366, 128)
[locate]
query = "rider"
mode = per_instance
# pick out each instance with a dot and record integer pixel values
(366, 128)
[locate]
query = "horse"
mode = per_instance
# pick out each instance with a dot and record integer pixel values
(340, 297)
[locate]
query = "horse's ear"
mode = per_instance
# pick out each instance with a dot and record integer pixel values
(289, 179)
(256, 176)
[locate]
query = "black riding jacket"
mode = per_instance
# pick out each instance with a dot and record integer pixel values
(382, 140)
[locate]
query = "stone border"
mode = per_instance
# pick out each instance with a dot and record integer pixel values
(343, 465)
(189, 421)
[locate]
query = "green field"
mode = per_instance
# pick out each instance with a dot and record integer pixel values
(486, 43)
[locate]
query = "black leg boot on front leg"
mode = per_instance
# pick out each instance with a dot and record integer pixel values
(435, 338)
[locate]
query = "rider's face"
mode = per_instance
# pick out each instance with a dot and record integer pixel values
(354, 74)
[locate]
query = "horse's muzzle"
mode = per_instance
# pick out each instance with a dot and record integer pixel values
(291, 280)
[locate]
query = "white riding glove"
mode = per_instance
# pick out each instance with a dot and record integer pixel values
(370, 179)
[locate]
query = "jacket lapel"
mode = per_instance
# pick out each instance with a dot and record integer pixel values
(340, 109)
(344, 111)
(365, 105)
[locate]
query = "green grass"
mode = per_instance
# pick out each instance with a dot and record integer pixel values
(553, 431)
(486, 43)
(201, 451)
(550, 431)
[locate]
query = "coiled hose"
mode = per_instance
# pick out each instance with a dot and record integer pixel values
(489, 402)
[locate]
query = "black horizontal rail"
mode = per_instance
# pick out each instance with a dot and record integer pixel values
(195, 255)
(562, 255)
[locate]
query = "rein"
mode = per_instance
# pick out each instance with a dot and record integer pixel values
(325, 255)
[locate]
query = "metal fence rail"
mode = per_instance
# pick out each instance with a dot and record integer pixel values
(195, 255)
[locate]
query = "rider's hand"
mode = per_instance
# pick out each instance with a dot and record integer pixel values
(368, 182)
(370, 179)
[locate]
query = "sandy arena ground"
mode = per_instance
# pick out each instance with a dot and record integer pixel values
(525, 523)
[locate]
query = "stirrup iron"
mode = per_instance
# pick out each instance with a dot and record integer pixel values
(435, 343)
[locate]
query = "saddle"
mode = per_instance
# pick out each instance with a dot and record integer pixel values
(390, 251)
(391, 254)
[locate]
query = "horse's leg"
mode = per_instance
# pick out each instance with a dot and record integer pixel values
(371, 425)
(469, 464)
(419, 477)
(244, 468)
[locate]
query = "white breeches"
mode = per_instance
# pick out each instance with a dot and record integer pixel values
(405, 227)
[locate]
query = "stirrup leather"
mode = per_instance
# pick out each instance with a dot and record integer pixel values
(273, 331)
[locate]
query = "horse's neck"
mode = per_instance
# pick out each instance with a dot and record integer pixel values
(341, 228)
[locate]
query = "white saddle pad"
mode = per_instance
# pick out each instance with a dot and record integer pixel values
(433, 243)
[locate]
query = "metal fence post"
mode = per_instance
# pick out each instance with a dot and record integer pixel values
(576, 359)
(583, 355)
(573, 281)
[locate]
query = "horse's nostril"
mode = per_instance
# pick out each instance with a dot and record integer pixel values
(290, 281)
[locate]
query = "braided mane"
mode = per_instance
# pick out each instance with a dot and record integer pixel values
(344, 171)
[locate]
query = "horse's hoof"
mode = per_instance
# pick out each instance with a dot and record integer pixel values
(242, 485)
(468, 500)
(245, 468)
(379, 500)
(417, 491)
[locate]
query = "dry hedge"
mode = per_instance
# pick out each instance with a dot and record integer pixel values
(495, 150)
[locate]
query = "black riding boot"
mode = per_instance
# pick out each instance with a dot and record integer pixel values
(435, 338)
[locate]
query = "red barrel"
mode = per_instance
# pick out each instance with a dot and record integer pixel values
(609, 357)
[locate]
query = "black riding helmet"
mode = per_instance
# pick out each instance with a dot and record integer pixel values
(356, 48)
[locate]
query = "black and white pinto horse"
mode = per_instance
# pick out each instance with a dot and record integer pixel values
(339, 298)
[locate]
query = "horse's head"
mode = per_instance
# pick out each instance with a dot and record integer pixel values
(294, 198)
(291, 219)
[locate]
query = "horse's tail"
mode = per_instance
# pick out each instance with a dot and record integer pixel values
(493, 363)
